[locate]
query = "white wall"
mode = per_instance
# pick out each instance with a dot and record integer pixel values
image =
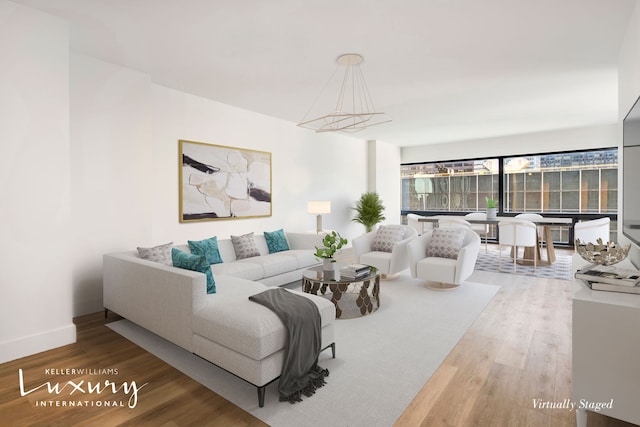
(542, 142)
(628, 92)
(35, 257)
(112, 182)
(629, 67)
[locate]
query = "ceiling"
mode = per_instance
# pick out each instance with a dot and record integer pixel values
(444, 70)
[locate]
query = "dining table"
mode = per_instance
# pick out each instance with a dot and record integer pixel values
(546, 223)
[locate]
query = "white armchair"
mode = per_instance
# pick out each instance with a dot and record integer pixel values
(442, 272)
(390, 261)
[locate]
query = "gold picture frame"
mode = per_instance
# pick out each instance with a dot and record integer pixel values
(222, 182)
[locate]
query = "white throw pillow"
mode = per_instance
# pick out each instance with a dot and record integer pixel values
(445, 243)
(386, 237)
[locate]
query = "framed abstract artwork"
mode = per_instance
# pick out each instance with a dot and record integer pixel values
(220, 182)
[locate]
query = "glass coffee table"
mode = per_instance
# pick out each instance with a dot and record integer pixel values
(352, 297)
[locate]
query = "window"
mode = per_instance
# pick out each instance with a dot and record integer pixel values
(579, 184)
(449, 186)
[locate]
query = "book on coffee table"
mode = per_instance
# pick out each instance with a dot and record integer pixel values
(355, 268)
(354, 271)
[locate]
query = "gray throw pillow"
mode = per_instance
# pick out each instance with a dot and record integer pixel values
(445, 242)
(386, 237)
(245, 246)
(160, 253)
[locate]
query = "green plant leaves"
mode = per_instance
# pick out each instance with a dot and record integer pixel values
(369, 210)
(332, 242)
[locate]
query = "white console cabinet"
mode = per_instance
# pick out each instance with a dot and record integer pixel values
(606, 353)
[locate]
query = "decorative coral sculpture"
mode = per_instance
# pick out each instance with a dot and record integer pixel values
(601, 253)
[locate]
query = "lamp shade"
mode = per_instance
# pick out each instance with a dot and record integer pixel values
(319, 207)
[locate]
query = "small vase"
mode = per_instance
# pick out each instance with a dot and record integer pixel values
(328, 264)
(492, 213)
(328, 275)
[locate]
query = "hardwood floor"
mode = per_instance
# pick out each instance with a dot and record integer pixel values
(171, 398)
(518, 350)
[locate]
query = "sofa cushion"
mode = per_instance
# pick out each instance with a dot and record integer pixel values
(227, 253)
(304, 257)
(243, 269)
(445, 242)
(386, 237)
(244, 326)
(160, 253)
(245, 246)
(274, 264)
(377, 259)
(194, 263)
(208, 248)
(276, 241)
(437, 269)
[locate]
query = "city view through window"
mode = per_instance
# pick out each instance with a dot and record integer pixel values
(574, 184)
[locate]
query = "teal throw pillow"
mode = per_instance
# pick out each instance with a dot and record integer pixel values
(276, 241)
(194, 263)
(208, 248)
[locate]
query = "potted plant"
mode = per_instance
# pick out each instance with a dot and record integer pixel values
(369, 210)
(332, 242)
(492, 207)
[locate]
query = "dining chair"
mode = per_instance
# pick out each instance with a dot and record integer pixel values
(413, 221)
(592, 230)
(533, 217)
(453, 223)
(516, 233)
(481, 229)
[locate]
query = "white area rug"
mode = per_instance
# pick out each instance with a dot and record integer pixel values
(382, 359)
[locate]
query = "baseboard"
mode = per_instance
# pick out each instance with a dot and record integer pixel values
(32, 344)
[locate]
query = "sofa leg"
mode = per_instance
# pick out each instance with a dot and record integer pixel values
(333, 349)
(261, 396)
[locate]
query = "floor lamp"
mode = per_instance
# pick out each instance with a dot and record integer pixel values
(319, 207)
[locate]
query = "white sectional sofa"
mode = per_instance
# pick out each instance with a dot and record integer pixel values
(225, 328)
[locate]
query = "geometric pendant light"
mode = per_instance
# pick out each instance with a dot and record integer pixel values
(354, 109)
